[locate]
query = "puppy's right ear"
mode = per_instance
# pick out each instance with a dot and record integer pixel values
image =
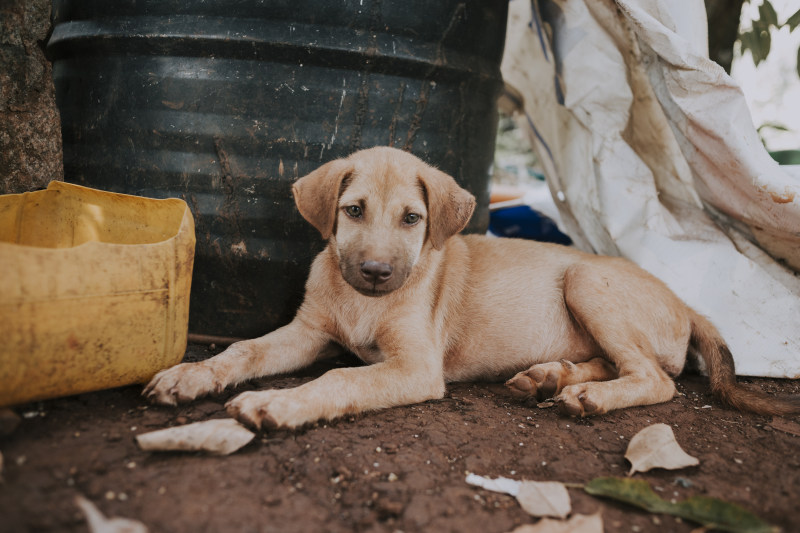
(449, 206)
(317, 194)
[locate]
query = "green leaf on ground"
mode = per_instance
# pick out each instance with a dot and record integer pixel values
(709, 512)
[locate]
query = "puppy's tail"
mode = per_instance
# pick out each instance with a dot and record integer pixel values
(722, 375)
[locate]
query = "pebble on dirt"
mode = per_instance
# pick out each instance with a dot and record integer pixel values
(9, 421)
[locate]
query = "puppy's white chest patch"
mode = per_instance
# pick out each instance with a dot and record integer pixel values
(358, 334)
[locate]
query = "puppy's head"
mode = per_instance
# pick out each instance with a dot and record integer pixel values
(380, 208)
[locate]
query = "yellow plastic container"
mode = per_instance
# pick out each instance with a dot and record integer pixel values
(94, 290)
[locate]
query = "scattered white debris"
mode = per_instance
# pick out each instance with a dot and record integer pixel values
(98, 523)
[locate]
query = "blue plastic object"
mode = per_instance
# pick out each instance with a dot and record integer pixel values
(525, 223)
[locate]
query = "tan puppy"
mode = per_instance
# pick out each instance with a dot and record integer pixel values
(423, 306)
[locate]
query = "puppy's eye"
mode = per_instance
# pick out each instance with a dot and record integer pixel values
(353, 211)
(411, 219)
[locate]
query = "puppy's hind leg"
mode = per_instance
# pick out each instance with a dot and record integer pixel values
(640, 326)
(640, 386)
(546, 380)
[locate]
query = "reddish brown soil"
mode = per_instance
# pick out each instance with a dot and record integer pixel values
(401, 469)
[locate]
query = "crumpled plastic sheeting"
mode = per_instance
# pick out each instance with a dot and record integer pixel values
(650, 153)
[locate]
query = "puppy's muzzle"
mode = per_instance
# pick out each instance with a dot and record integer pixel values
(375, 272)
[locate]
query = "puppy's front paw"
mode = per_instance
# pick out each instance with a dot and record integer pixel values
(181, 383)
(267, 409)
(578, 400)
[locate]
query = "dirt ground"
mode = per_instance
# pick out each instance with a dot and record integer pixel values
(401, 469)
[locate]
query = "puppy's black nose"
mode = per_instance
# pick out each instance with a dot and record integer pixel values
(376, 272)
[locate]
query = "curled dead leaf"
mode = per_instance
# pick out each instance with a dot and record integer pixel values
(545, 498)
(578, 523)
(221, 437)
(537, 498)
(98, 523)
(655, 447)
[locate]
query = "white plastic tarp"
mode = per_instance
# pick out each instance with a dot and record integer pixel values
(650, 153)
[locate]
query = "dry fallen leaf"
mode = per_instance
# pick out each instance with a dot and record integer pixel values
(545, 498)
(100, 524)
(220, 437)
(578, 523)
(655, 447)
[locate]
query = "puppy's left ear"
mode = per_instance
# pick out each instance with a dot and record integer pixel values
(317, 194)
(449, 206)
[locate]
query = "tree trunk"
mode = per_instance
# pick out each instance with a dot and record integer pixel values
(723, 29)
(30, 128)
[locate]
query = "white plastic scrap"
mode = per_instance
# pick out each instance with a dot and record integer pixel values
(500, 484)
(98, 523)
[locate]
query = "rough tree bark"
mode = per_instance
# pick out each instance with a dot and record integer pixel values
(30, 127)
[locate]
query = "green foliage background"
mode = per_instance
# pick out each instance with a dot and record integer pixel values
(758, 39)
